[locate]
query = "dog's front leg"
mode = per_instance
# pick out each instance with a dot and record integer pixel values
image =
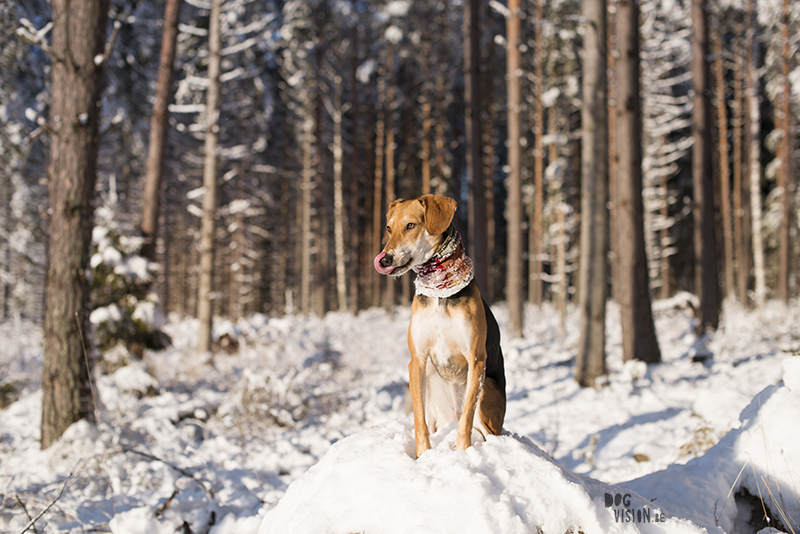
(475, 376)
(416, 374)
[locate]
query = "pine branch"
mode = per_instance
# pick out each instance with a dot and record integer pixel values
(99, 60)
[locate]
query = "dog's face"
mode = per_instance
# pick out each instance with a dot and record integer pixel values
(414, 229)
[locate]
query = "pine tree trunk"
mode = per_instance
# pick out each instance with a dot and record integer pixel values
(514, 269)
(159, 127)
(741, 251)
(591, 358)
(356, 277)
(724, 168)
(472, 126)
(490, 110)
(538, 160)
(786, 176)
(612, 151)
(426, 148)
(633, 288)
(338, 200)
(305, 206)
(753, 105)
(79, 33)
(378, 210)
(388, 298)
(204, 304)
(705, 243)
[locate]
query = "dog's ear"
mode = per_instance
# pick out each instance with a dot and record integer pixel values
(439, 212)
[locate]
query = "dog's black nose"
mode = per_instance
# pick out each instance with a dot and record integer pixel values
(386, 261)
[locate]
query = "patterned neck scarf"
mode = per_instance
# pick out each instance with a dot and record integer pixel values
(449, 270)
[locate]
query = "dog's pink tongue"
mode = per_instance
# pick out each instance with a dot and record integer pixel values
(380, 268)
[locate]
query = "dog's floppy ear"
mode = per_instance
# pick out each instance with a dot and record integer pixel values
(439, 212)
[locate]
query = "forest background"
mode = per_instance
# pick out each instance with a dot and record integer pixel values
(286, 128)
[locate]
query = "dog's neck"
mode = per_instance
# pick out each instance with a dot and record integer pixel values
(449, 270)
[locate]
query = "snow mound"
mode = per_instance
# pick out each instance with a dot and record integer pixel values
(369, 482)
(757, 460)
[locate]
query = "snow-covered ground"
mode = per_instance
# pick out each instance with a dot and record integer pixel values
(211, 444)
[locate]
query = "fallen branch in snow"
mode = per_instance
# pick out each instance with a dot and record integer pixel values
(25, 509)
(47, 508)
(184, 472)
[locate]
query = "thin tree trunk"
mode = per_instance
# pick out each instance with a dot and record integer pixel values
(377, 213)
(705, 243)
(786, 176)
(724, 168)
(538, 161)
(305, 206)
(612, 150)
(514, 269)
(472, 126)
(388, 301)
(204, 305)
(488, 292)
(740, 253)
(338, 199)
(159, 128)
(426, 148)
(355, 182)
(633, 289)
(753, 104)
(591, 357)
(79, 31)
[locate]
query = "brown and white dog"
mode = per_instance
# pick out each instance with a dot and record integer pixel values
(456, 370)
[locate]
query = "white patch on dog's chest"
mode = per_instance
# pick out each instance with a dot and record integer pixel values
(443, 335)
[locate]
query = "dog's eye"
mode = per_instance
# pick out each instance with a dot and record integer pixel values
(388, 230)
(410, 226)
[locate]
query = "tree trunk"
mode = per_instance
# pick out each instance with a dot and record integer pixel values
(159, 127)
(741, 251)
(591, 358)
(338, 199)
(378, 211)
(754, 160)
(356, 277)
(538, 162)
(204, 304)
(612, 151)
(426, 148)
(388, 299)
(633, 289)
(514, 269)
(472, 126)
(705, 243)
(786, 176)
(79, 33)
(724, 167)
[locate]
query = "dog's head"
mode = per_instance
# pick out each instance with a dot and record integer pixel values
(414, 229)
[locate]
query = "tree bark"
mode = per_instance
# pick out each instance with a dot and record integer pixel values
(338, 199)
(472, 115)
(388, 298)
(159, 128)
(378, 209)
(741, 253)
(633, 289)
(724, 168)
(514, 269)
(590, 362)
(204, 304)
(79, 31)
(705, 243)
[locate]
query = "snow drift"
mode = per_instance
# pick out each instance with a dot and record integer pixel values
(369, 482)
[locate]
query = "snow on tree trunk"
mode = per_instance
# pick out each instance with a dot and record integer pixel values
(204, 291)
(590, 362)
(79, 31)
(514, 183)
(753, 105)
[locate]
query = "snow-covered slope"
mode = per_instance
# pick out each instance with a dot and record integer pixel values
(212, 444)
